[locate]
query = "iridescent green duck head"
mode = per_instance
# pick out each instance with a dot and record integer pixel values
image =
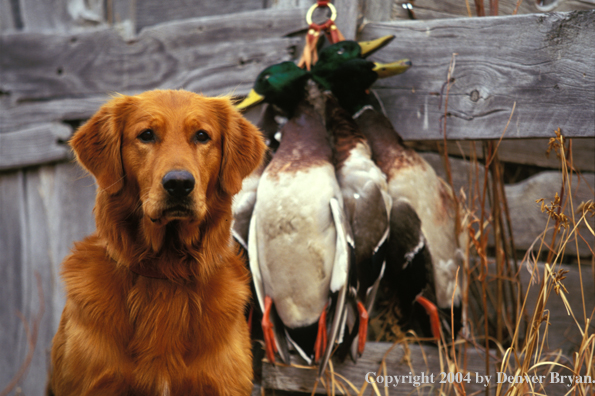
(343, 70)
(281, 84)
(334, 55)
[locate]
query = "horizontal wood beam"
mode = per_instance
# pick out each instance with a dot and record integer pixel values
(519, 151)
(213, 55)
(34, 145)
(434, 9)
(538, 62)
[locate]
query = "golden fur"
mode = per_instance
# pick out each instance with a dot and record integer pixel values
(179, 328)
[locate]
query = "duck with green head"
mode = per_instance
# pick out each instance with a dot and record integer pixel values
(424, 248)
(298, 244)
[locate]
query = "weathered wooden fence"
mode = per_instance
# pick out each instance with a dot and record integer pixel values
(61, 59)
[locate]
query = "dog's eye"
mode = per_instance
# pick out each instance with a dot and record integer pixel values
(202, 137)
(147, 136)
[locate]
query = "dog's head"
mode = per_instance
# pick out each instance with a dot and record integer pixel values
(173, 151)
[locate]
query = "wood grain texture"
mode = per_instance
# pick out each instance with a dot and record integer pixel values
(521, 151)
(34, 145)
(14, 117)
(528, 222)
(378, 11)
(563, 332)
(152, 12)
(399, 361)
(348, 17)
(61, 15)
(12, 254)
(213, 55)
(434, 9)
(6, 16)
(42, 211)
(539, 62)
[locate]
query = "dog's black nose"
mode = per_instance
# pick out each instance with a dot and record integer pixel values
(178, 183)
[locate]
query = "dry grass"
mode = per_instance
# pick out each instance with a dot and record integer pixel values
(516, 343)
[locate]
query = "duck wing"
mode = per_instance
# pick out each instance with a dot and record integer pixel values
(279, 328)
(339, 278)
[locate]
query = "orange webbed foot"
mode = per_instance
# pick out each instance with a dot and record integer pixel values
(270, 346)
(432, 312)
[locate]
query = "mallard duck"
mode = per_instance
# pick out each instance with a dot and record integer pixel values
(367, 208)
(424, 247)
(298, 242)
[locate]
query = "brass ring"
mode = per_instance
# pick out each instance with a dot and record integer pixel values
(315, 6)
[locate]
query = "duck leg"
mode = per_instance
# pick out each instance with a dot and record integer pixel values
(432, 312)
(270, 346)
(321, 337)
(363, 327)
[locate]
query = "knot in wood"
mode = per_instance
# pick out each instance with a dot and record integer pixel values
(475, 95)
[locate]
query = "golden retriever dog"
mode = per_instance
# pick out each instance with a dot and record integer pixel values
(156, 296)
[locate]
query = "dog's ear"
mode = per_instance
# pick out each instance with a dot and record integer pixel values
(97, 144)
(243, 149)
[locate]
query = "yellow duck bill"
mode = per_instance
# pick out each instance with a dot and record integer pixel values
(369, 47)
(250, 100)
(392, 69)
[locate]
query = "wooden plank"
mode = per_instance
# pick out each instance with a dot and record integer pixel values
(520, 151)
(18, 116)
(348, 17)
(378, 10)
(121, 14)
(535, 61)
(528, 222)
(563, 331)
(399, 362)
(42, 211)
(433, 9)
(12, 255)
(60, 15)
(153, 12)
(6, 16)
(34, 145)
(213, 54)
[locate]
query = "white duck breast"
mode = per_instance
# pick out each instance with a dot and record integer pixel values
(296, 237)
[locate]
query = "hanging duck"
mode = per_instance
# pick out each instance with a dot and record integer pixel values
(367, 208)
(424, 249)
(299, 242)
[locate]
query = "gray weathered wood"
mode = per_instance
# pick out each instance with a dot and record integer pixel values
(214, 55)
(37, 144)
(522, 151)
(6, 17)
(528, 222)
(302, 380)
(433, 9)
(348, 15)
(15, 117)
(152, 12)
(60, 15)
(42, 211)
(12, 254)
(541, 62)
(378, 11)
(525, 214)
(563, 332)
